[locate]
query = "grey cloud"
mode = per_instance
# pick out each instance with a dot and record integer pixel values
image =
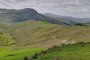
(74, 8)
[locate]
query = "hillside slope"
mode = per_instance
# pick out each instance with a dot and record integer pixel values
(30, 37)
(5, 39)
(69, 18)
(44, 34)
(67, 52)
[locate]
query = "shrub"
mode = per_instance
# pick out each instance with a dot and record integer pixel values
(62, 44)
(26, 58)
(81, 42)
(35, 56)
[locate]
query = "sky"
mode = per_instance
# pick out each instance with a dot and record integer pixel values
(75, 8)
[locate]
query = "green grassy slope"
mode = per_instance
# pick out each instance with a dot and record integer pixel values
(5, 39)
(44, 34)
(67, 52)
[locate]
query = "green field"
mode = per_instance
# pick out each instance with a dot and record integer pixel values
(67, 52)
(8, 54)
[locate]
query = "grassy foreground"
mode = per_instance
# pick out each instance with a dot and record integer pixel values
(67, 52)
(8, 54)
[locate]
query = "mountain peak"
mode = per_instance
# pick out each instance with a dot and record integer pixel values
(13, 15)
(28, 10)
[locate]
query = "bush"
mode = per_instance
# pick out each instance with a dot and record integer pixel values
(62, 44)
(81, 42)
(82, 45)
(26, 58)
(35, 56)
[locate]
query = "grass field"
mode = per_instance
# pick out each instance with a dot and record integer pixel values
(8, 54)
(68, 52)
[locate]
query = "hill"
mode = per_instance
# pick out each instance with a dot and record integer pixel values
(44, 34)
(30, 37)
(69, 18)
(10, 16)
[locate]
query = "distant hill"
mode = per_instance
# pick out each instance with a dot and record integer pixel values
(61, 18)
(68, 18)
(11, 15)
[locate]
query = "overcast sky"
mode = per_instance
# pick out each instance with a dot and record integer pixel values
(76, 8)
